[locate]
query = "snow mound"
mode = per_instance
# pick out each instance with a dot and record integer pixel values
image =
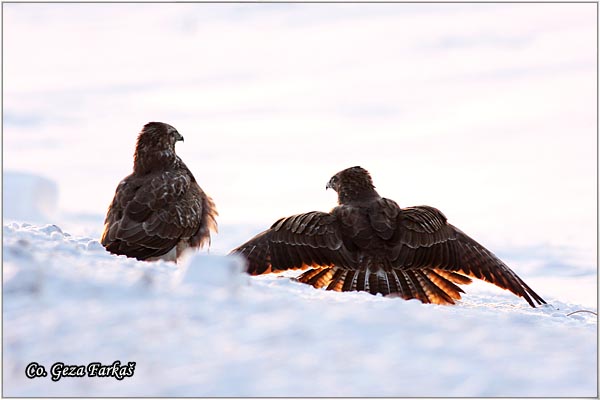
(203, 328)
(28, 197)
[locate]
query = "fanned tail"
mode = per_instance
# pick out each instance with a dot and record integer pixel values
(427, 285)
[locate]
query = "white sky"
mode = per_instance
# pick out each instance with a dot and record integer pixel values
(486, 111)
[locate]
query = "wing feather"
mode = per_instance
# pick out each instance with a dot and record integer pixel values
(149, 215)
(298, 242)
(426, 240)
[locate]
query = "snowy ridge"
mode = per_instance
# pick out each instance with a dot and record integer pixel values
(29, 197)
(203, 328)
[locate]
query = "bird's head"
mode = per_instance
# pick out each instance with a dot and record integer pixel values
(156, 146)
(352, 184)
(159, 136)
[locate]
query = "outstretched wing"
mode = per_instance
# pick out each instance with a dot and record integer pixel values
(298, 242)
(149, 215)
(427, 242)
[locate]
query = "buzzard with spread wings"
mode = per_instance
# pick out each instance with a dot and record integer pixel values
(159, 210)
(368, 243)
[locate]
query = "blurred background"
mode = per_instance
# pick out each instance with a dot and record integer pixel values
(485, 111)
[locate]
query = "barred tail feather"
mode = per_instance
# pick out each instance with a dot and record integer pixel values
(337, 281)
(428, 286)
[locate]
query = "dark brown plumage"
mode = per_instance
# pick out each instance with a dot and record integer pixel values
(369, 243)
(159, 210)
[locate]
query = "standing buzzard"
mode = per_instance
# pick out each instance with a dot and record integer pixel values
(159, 210)
(368, 243)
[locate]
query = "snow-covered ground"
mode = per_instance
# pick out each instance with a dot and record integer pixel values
(203, 328)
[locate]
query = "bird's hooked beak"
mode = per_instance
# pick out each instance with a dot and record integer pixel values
(178, 137)
(331, 184)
